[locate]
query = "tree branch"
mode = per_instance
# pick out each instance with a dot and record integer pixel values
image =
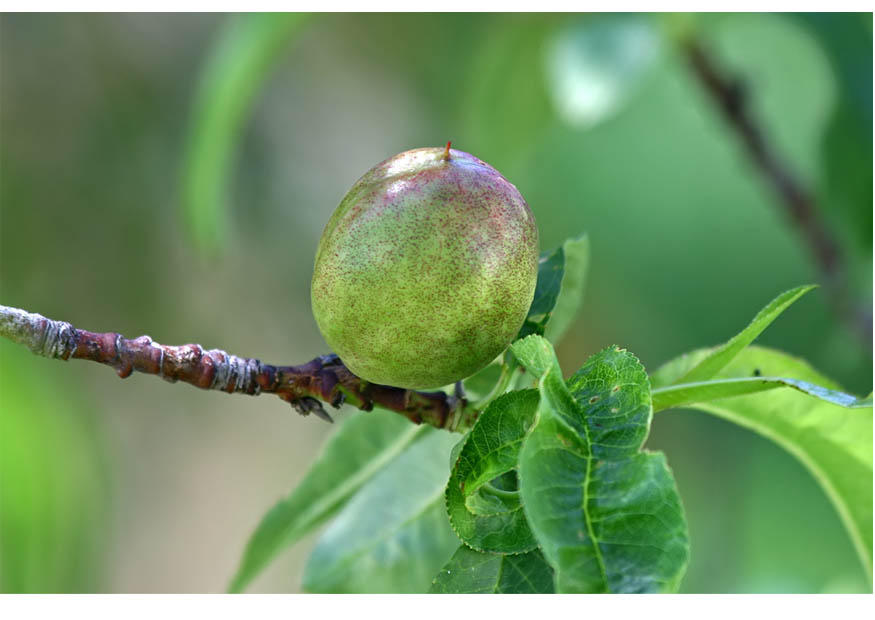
(730, 95)
(322, 379)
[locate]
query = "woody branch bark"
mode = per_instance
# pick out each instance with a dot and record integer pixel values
(305, 387)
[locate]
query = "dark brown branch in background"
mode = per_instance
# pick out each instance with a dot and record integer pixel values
(322, 379)
(729, 94)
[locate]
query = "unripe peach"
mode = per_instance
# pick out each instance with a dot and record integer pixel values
(426, 270)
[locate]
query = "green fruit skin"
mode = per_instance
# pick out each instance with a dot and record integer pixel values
(426, 270)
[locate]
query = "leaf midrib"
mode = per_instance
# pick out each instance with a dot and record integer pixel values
(587, 478)
(497, 588)
(765, 384)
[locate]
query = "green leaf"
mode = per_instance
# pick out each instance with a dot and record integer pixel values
(551, 268)
(833, 442)
(613, 388)
(576, 252)
(559, 291)
(394, 535)
(235, 70)
(486, 514)
(678, 395)
(608, 518)
(722, 355)
(364, 445)
(475, 572)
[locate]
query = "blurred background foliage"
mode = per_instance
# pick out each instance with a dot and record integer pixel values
(171, 175)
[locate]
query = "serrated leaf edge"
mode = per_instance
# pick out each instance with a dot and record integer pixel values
(447, 493)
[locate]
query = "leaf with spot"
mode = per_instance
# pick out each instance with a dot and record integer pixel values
(722, 355)
(475, 572)
(607, 516)
(832, 441)
(694, 384)
(482, 496)
(613, 388)
(681, 394)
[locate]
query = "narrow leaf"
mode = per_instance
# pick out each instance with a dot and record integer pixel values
(483, 506)
(394, 535)
(570, 298)
(551, 268)
(833, 442)
(475, 572)
(608, 518)
(237, 67)
(363, 446)
(559, 291)
(681, 394)
(724, 354)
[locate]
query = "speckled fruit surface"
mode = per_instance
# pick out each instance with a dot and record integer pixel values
(426, 269)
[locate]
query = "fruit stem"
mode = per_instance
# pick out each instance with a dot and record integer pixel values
(447, 152)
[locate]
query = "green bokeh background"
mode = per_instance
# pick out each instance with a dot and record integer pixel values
(140, 486)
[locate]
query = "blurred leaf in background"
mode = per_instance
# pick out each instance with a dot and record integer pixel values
(505, 87)
(234, 74)
(53, 491)
(594, 65)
